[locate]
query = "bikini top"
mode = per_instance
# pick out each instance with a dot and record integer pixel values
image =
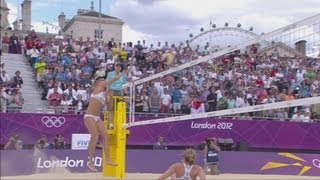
(101, 97)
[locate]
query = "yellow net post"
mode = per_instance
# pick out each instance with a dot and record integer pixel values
(117, 141)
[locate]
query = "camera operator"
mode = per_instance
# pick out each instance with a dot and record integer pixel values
(14, 143)
(211, 151)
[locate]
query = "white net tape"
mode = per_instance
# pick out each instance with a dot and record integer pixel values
(277, 105)
(211, 56)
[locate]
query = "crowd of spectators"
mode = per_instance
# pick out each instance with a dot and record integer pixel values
(16, 143)
(11, 99)
(65, 69)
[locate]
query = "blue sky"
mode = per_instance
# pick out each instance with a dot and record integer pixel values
(174, 20)
(49, 10)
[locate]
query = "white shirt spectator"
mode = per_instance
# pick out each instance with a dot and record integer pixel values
(3, 100)
(230, 74)
(110, 61)
(34, 53)
(50, 91)
(100, 55)
(5, 76)
(296, 117)
(134, 73)
(267, 82)
(159, 87)
(165, 99)
(213, 75)
(305, 117)
(82, 92)
(184, 97)
(219, 94)
(279, 75)
(300, 76)
(74, 93)
(239, 102)
(253, 77)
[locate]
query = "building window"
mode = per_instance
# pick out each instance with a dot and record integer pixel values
(96, 34)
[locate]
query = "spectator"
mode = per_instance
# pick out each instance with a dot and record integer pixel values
(115, 89)
(18, 79)
(40, 69)
(79, 104)
(145, 101)
(241, 72)
(196, 104)
(211, 151)
(154, 101)
(71, 92)
(42, 143)
(58, 142)
(138, 103)
(55, 97)
(14, 44)
(15, 101)
(14, 143)
(3, 99)
(5, 43)
(212, 100)
(66, 103)
(165, 102)
(34, 55)
(161, 144)
(177, 99)
(5, 78)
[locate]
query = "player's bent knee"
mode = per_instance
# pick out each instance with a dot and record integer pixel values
(94, 137)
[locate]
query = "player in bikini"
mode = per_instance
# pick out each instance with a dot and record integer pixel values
(93, 121)
(187, 170)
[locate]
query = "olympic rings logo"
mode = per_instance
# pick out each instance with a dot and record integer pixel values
(316, 163)
(53, 121)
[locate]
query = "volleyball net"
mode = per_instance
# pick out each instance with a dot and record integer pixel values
(280, 54)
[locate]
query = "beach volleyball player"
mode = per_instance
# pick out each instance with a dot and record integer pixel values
(93, 121)
(187, 170)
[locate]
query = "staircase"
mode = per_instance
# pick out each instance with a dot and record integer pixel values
(30, 94)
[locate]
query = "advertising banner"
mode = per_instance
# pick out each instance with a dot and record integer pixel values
(26, 162)
(80, 141)
(257, 133)
(31, 127)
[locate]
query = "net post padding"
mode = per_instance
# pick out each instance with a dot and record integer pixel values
(263, 107)
(117, 142)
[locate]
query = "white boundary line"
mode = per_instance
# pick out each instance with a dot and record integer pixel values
(263, 107)
(228, 50)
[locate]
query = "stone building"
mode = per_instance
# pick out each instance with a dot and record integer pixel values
(4, 12)
(26, 15)
(283, 50)
(86, 25)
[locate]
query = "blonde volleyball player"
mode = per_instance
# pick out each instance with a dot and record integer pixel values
(187, 170)
(93, 122)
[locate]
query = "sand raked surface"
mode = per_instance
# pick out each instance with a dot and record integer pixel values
(67, 175)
